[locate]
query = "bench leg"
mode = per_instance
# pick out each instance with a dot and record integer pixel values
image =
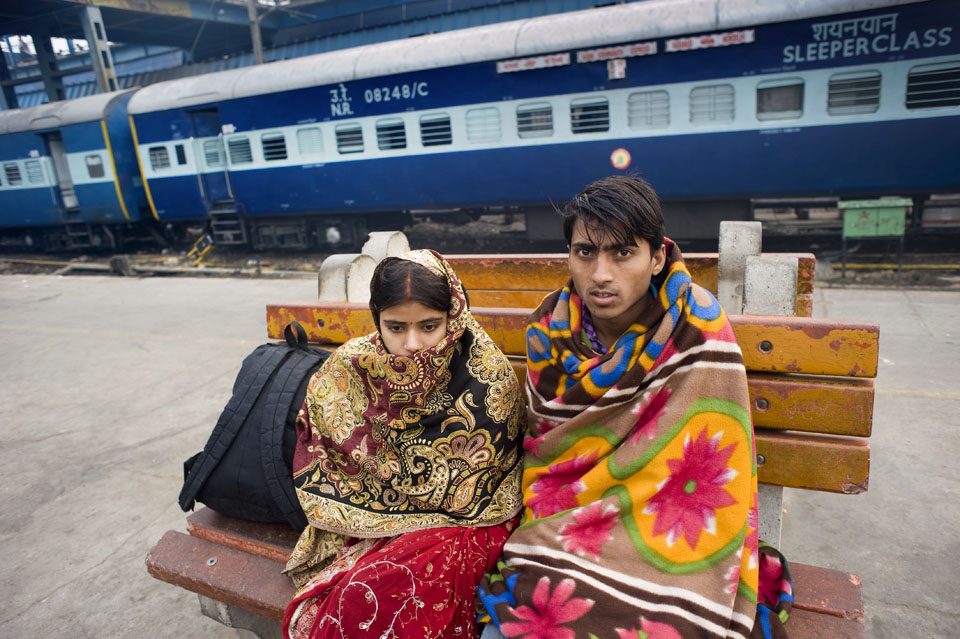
(770, 506)
(247, 624)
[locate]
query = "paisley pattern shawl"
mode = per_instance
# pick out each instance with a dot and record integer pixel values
(639, 480)
(390, 444)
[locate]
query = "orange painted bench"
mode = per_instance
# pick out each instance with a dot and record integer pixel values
(521, 281)
(811, 390)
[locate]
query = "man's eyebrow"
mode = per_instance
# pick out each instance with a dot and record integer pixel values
(606, 247)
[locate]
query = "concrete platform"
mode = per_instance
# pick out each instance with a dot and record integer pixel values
(108, 384)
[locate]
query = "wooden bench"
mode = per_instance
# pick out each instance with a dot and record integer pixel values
(811, 390)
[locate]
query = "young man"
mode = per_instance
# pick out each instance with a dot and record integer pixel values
(639, 485)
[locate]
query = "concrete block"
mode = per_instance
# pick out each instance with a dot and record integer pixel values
(385, 244)
(770, 507)
(346, 278)
(738, 240)
(770, 285)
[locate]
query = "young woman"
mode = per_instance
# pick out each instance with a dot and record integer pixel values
(408, 466)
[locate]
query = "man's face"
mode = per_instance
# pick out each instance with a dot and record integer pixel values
(612, 278)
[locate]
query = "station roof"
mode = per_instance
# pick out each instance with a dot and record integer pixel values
(207, 28)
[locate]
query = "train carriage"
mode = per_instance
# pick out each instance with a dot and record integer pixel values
(715, 102)
(69, 176)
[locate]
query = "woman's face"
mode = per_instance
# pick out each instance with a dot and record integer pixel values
(411, 327)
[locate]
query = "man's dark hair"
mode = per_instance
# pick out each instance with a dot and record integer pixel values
(397, 281)
(623, 208)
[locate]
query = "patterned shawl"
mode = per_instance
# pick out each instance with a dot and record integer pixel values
(639, 480)
(390, 444)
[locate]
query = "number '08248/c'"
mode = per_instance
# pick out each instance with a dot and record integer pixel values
(396, 92)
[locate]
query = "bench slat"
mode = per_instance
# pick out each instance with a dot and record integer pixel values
(826, 591)
(804, 624)
(273, 541)
(812, 404)
(240, 579)
(521, 281)
(770, 344)
(819, 591)
(817, 462)
(800, 402)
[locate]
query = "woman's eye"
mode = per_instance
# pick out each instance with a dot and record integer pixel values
(395, 329)
(427, 328)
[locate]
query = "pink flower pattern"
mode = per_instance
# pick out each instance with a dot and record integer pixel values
(733, 575)
(551, 610)
(648, 411)
(772, 582)
(687, 501)
(649, 630)
(590, 529)
(533, 443)
(556, 489)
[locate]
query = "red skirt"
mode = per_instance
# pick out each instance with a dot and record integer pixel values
(419, 585)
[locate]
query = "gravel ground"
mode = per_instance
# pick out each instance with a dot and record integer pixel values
(869, 265)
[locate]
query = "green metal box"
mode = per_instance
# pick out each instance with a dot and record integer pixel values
(874, 218)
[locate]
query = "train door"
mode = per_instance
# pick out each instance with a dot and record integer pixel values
(62, 169)
(211, 159)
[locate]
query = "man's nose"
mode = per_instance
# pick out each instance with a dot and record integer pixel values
(602, 272)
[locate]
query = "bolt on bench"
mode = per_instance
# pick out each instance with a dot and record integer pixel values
(811, 389)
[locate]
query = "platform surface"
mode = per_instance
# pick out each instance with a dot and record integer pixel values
(108, 384)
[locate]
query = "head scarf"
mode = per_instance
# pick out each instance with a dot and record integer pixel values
(391, 444)
(640, 478)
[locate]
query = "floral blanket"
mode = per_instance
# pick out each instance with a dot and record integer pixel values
(640, 482)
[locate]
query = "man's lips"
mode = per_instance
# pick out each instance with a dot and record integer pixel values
(602, 297)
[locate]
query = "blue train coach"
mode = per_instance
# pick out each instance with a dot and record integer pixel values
(715, 103)
(69, 176)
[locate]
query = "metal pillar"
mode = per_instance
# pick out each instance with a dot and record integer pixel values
(47, 61)
(8, 97)
(100, 57)
(255, 31)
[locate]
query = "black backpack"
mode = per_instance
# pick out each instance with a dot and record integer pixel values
(245, 470)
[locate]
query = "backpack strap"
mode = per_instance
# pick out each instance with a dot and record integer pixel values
(301, 338)
(269, 358)
(282, 395)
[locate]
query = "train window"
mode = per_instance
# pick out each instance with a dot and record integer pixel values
(12, 171)
(934, 85)
(535, 120)
(483, 125)
(181, 154)
(391, 134)
(34, 171)
(274, 146)
(239, 150)
(435, 129)
(712, 104)
(780, 99)
(159, 158)
(589, 115)
(213, 152)
(310, 142)
(94, 165)
(349, 138)
(648, 110)
(857, 92)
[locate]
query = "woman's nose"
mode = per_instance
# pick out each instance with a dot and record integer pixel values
(412, 343)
